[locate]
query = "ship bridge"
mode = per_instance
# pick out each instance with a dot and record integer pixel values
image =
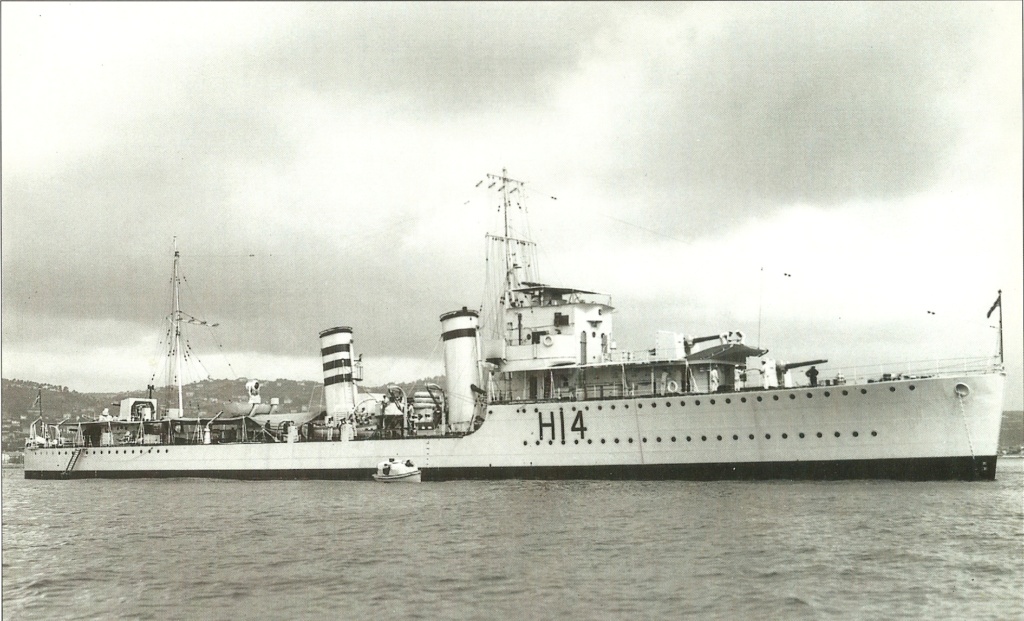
(546, 326)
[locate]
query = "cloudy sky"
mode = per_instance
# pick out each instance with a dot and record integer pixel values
(317, 164)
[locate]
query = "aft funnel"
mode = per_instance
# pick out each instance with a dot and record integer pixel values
(339, 388)
(461, 365)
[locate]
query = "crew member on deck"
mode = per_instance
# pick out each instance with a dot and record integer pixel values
(812, 374)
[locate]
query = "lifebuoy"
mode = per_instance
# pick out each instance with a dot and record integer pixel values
(548, 341)
(672, 386)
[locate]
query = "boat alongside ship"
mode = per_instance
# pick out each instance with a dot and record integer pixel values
(535, 387)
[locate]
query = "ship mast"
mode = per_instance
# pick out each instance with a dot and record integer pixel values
(511, 260)
(176, 318)
(513, 246)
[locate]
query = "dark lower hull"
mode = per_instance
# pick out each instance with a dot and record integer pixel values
(920, 469)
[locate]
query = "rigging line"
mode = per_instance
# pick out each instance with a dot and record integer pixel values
(188, 347)
(157, 363)
(642, 228)
(216, 340)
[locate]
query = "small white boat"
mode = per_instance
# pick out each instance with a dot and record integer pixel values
(392, 471)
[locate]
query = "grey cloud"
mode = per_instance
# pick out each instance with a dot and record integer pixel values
(437, 58)
(799, 103)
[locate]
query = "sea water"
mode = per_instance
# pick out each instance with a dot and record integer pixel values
(209, 549)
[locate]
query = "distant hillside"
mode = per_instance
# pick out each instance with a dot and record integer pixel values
(1012, 434)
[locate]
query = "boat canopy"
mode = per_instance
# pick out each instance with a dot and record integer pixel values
(735, 353)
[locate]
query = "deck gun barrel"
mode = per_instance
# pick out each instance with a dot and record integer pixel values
(786, 366)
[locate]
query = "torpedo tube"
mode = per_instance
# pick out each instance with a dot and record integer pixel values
(339, 388)
(461, 365)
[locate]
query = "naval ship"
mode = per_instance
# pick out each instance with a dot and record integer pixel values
(536, 388)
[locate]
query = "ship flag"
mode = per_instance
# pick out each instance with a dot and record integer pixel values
(997, 304)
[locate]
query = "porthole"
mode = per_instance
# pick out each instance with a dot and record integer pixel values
(612, 406)
(682, 404)
(658, 439)
(727, 400)
(837, 434)
(784, 436)
(855, 434)
(602, 440)
(775, 397)
(827, 394)
(801, 434)
(673, 438)
(874, 433)
(735, 437)
(525, 443)
(703, 438)
(616, 440)
(625, 406)
(696, 402)
(892, 389)
(863, 391)
(590, 441)
(846, 392)
(575, 441)
(598, 408)
(630, 440)
(819, 434)
(719, 438)
(654, 405)
(573, 409)
(809, 395)
(911, 387)
(767, 436)
(550, 442)
(759, 399)
(751, 436)
(668, 404)
(743, 399)
(792, 396)
(563, 442)
(639, 406)
(712, 402)
(587, 408)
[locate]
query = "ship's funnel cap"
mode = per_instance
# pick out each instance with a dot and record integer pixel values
(463, 312)
(338, 330)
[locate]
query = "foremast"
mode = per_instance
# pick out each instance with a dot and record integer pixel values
(511, 255)
(176, 323)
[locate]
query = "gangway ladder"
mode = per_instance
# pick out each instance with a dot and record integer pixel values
(74, 460)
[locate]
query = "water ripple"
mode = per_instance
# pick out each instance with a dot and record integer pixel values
(513, 549)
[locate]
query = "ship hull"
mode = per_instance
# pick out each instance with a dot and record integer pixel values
(940, 428)
(920, 469)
